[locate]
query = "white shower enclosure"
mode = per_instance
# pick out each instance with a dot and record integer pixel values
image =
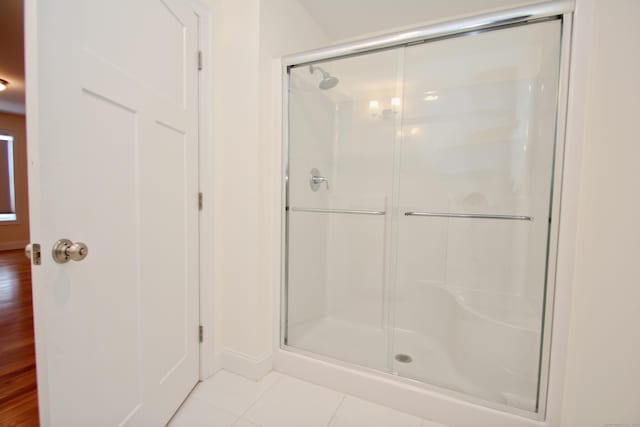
(421, 209)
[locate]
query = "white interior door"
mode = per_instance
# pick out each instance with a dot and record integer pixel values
(112, 117)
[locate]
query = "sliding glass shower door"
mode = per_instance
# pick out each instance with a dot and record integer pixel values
(419, 197)
(474, 199)
(340, 174)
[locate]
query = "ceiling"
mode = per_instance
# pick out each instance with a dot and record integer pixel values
(348, 19)
(12, 56)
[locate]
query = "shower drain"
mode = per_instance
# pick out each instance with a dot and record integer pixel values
(403, 358)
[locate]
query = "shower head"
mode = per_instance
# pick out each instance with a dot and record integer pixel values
(328, 81)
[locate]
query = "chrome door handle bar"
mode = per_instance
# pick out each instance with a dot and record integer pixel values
(472, 216)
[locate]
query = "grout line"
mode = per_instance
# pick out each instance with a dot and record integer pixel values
(210, 404)
(192, 396)
(261, 394)
(344, 396)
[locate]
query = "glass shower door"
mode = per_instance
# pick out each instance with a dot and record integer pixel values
(344, 118)
(476, 175)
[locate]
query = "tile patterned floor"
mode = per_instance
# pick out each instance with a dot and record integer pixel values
(229, 400)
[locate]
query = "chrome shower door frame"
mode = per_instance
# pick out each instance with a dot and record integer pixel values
(556, 9)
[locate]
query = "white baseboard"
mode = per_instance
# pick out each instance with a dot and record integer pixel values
(253, 368)
(8, 246)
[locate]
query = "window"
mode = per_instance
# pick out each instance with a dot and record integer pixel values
(7, 188)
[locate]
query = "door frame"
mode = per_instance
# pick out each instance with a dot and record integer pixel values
(207, 365)
(208, 362)
(206, 179)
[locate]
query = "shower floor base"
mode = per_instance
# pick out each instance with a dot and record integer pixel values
(370, 347)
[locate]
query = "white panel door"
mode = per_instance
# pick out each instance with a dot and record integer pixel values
(112, 116)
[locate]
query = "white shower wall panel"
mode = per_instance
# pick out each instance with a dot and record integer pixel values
(355, 286)
(308, 232)
(362, 148)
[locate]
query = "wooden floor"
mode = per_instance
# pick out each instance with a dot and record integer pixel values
(18, 393)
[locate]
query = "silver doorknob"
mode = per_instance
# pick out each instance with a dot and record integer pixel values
(65, 250)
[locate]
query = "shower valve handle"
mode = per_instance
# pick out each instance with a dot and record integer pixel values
(319, 180)
(316, 180)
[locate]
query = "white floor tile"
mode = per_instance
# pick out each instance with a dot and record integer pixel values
(198, 413)
(295, 403)
(232, 392)
(229, 400)
(354, 412)
(243, 422)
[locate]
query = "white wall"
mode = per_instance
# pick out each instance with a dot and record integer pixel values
(603, 365)
(234, 162)
(353, 19)
(247, 35)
